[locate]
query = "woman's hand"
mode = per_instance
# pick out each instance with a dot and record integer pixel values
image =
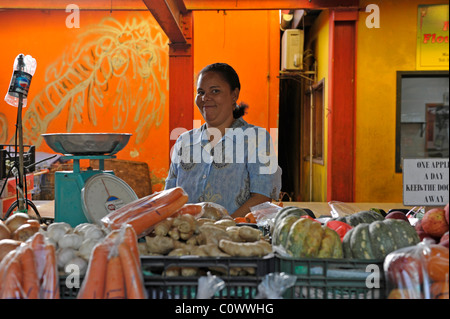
(255, 199)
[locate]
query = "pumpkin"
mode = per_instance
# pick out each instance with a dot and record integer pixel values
(355, 219)
(309, 239)
(375, 241)
(281, 232)
(286, 211)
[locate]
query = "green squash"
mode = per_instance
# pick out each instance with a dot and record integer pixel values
(286, 211)
(376, 240)
(361, 242)
(280, 233)
(383, 241)
(404, 234)
(330, 246)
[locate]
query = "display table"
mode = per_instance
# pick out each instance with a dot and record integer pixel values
(323, 208)
(47, 208)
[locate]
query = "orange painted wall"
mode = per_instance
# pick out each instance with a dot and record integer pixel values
(248, 41)
(111, 74)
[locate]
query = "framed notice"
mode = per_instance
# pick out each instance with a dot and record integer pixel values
(432, 37)
(425, 182)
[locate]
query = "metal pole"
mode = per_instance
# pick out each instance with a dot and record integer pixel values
(21, 195)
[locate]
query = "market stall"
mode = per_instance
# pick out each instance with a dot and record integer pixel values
(175, 249)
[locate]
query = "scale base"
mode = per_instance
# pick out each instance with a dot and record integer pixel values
(68, 203)
(68, 186)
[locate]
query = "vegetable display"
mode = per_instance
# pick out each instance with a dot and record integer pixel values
(30, 271)
(114, 270)
(418, 272)
(302, 237)
(376, 240)
(144, 213)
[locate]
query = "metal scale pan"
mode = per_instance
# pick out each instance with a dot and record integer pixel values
(88, 195)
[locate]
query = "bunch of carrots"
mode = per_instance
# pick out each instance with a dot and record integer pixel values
(114, 270)
(30, 271)
(147, 211)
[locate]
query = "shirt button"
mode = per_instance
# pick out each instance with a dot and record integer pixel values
(204, 176)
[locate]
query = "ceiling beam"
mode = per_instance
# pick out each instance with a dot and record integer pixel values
(100, 5)
(199, 5)
(169, 14)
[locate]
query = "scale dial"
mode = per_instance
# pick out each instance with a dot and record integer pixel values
(104, 193)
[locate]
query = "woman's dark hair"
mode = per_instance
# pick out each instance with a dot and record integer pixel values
(232, 78)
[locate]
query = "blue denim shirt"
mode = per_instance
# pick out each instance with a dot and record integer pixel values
(243, 162)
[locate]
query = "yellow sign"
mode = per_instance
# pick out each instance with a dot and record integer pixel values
(432, 37)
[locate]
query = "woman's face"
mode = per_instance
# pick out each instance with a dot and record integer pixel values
(215, 100)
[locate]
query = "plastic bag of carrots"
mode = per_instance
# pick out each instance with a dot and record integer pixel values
(114, 270)
(142, 214)
(30, 271)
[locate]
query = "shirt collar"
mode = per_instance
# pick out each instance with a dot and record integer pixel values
(199, 134)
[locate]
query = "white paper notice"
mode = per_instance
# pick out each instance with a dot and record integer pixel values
(425, 182)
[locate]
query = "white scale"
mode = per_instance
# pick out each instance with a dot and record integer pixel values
(104, 193)
(90, 194)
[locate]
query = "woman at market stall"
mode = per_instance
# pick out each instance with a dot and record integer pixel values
(227, 160)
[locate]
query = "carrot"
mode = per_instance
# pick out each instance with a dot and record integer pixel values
(114, 286)
(165, 197)
(190, 209)
(12, 280)
(130, 239)
(37, 241)
(93, 285)
(148, 219)
(239, 220)
(4, 266)
(133, 275)
(50, 279)
(137, 203)
(37, 245)
(250, 218)
(30, 276)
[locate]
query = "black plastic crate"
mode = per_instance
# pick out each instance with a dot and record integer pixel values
(241, 276)
(333, 278)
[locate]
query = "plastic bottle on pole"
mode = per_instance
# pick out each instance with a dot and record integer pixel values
(23, 71)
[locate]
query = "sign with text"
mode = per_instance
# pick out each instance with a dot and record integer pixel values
(425, 182)
(432, 37)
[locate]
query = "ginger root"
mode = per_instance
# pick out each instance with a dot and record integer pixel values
(159, 244)
(248, 249)
(249, 234)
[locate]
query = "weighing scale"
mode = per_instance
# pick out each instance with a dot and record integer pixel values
(90, 194)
